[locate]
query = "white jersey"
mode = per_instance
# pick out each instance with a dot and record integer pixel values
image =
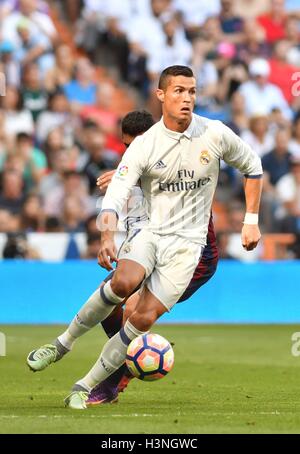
(134, 214)
(178, 174)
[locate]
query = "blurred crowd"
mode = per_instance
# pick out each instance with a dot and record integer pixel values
(59, 129)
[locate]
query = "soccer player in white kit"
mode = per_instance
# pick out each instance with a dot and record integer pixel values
(133, 124)
(177, 163)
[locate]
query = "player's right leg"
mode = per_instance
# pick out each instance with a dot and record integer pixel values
(148, 310)
(136, 260)
(108, 390)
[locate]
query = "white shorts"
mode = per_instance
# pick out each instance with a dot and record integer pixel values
(169, 262)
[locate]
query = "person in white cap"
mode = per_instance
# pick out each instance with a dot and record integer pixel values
(260, 94)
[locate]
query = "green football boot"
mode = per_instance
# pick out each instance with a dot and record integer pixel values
(77, 400)
(41, 358)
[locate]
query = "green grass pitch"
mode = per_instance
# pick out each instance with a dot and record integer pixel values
(226, 379)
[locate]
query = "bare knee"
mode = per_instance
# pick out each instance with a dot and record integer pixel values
(127, 313)
(130, 306)
(143, 321)
(123, 286)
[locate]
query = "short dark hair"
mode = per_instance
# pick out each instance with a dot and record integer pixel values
(173, 71)
(137, 122)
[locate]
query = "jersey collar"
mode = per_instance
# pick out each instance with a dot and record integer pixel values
(178, 135)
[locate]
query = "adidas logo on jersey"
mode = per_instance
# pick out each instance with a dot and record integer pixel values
(160, 165)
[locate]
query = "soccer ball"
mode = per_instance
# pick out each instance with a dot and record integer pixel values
(149, 357)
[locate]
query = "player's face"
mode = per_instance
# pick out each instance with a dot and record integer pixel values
(179, 98)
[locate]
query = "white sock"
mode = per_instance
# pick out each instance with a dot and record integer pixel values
(112, 357)
(98, 307)
(66, 339)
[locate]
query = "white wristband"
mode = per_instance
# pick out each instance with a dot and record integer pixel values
(251, 218)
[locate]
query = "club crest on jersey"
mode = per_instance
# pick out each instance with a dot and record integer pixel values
(126, 248)
(122, 172)
(204, 157)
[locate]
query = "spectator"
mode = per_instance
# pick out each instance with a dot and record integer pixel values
(82, 90)
(32, 216)
(91, 24)
(288, 192)
(175, 49)
(231, 24)
(33, 48)
(105, 117)
(143, 44)
(73, 9)
(281, 72)
(225, 56)
(238, 118)
(259, 92)
(57, 114)
(258, 135)
(195, 12)
(53, 225)
(59, 163)
(63, 71)
(8, 222)
(206, 77)
(12, 195)
(274, 21)
(34, 95)
(294, 144)
(293, 37)
(34, 160)
(233, 77)
(17, 247)
(93, 246)
(73, 214)
(211, 36)
(41, 26)
(16, 118)
(277, 121)
(253, 45)
(276, 163)
(8, 65)
(91, 226)
(55, 141)
(101, 112)
(107, 23)
(98, 159)
(13, 162)
(73, 185)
